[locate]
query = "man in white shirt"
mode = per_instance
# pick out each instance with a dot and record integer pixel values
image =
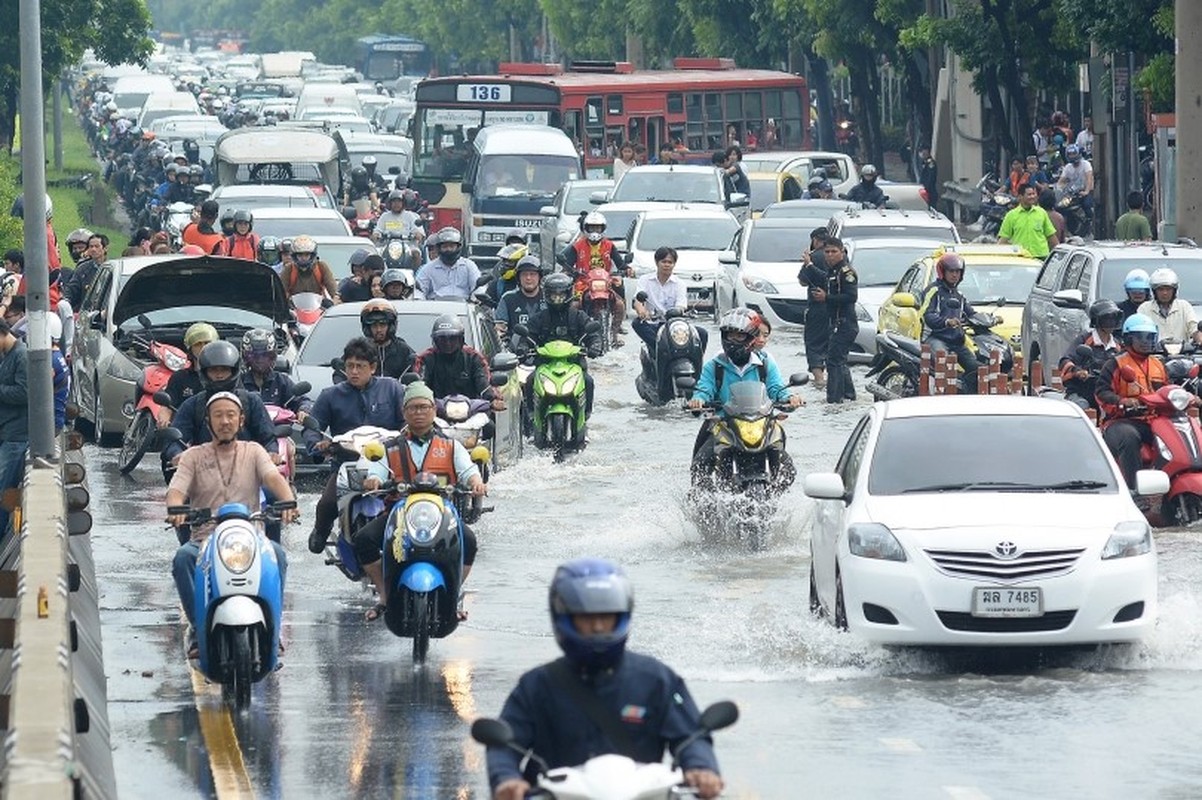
(657, 294)
(1173, 315)
(1085, 137)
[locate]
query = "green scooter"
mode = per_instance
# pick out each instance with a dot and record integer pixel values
(558, 393)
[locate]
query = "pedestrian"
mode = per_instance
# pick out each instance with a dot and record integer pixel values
(1133, 226)
(14, 414)
(840, 295)
(1047, 201)
(1028, 226)
(625, 160)
(817, 332)
(928, 175)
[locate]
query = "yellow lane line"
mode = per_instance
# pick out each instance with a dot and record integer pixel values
(230, 779)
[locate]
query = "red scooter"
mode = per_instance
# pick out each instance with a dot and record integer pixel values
(597, 298)
(142, 429)
(1176, 449)
(307, 308)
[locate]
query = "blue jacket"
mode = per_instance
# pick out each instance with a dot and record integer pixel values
(14, 394)
(939, 304)
(342, 407)
(276, 390)
(651, 700)
(62, 385)
(707, 389)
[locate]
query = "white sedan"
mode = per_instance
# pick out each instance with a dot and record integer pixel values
(981, 521)
(697, 233)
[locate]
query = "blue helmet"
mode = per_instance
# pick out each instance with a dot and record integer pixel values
(1140, 333)
(591, 586)
(1137, 281)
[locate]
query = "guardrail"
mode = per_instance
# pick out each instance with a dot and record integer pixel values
(54, 706)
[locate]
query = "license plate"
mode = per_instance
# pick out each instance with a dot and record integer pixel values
(698, 294)
(997, 601)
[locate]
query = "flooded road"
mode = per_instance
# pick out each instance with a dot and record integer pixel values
(822, 713)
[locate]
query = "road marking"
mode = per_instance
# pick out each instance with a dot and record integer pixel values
(230, 779)
(901, 745)
(848, 701)
(965, 793)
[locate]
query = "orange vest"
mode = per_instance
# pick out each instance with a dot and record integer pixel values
(1150, 376)
(243, 246)
(593, 256)
(439, 459)
(212, 243)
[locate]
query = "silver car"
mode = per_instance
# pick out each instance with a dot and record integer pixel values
(560, 220)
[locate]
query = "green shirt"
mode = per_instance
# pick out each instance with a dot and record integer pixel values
(1028, 228)
(1132, 226)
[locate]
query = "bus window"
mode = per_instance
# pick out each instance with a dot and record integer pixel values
(772, 104)
(676, 134)
(573, 128)
(655, 133)
(693, 110)
(613, 105)
(675, 103)
(753, 107)
(734, 107)
(594, 127)
(793, 118)
(634, 131)
(613, 140)
(592, 112)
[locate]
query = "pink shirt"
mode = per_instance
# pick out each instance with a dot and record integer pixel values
(209, 482)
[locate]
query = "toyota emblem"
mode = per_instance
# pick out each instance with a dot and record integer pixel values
(697, 277)
(1006, 550)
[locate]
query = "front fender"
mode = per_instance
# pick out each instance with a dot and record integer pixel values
(237, 611)
(1185, 483)
(422, 577)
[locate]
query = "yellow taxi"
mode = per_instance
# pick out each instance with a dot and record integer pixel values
(772, 187)
(997, 279)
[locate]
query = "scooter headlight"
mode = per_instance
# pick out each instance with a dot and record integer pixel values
(1001, 199)
(423, 520)
(549, 387)
(174, 361)
(751, 431)
(456, 410)
(236, 548)
(1179, 398)
(679, 333)
(1128, 539)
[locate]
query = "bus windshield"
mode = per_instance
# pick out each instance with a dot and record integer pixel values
(444, 137)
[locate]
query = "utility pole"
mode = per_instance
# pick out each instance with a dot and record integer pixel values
(37, 268)
(57, 121)
(1189, 118)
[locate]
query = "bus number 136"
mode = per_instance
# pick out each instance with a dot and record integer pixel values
(483, 93)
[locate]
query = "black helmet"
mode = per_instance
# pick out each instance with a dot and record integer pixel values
(359, 177)
(378, 310)
(242, 215)
(591, 586)
(1105, 314)
(219, 354)
(258, 349)
(269, 250)
(397, 277)
(412, 199)
(557, 289)
(227, 215)
(447, 334)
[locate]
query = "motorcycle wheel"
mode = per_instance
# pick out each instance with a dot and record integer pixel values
(139, 435)
(557, 435)
(604, 316)
(421, 628)
(897, 381)
(238, 643)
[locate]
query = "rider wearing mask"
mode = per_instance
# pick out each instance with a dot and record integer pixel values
(593, 250)
(506, 279)
(451, 277)
(269, 253)
(77, 244)
(519, 305)
(451, 367)
(591, 603)
(1174, 316)
(866, 191)
(261, 377)
(244, 243)
(944, 311)
(1079, 382)
(308, 274)
(379, 320)
(1138, 288)
(561, 322)
(227, 222)
(360, 188)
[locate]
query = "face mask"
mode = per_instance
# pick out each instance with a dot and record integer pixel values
(448, 257)
(594, 237)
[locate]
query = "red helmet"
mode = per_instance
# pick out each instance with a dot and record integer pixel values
(952, 261)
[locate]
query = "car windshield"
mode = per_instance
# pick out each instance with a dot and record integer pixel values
(672, 187)
(778, 244)
(1189, 272)
(1005, 284)
(251, 202)
(686, 233)
(331, 334)
(338, 254)
(578, 199)
(617, 223)
(988, 452)
(288, 227)
(883, 266)
(525, 175)
(385, 160)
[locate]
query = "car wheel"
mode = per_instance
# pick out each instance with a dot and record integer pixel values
(81, 422)
(815, 603)
(840, 610)
(99, 435)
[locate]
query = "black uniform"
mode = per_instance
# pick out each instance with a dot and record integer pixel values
(867, 193)
(182, 385)
(842, 294)
(465, 373)
(396, 358)
(817, 331)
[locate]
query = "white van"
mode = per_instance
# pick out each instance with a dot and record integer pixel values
(159, 106)
(320, 97)
(512, 172)
(130, 91)
(286, 64)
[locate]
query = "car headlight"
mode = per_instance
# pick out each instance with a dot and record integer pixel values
(862, 313)
(751, 431)
(1165, 452)
(236, 548)
(423, 519)
(759, 285)
(1179, 398)
(873, 540)
(1128, 539)
(679, 333)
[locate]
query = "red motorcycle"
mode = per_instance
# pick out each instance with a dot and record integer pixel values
(1177, 450)
(596, 300)
(165, 361)
(307, 308)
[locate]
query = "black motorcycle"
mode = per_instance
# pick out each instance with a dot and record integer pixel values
(898, 364)
(1077, 218)
(668, 372)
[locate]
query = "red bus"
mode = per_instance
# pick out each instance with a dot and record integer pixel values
(700, 106)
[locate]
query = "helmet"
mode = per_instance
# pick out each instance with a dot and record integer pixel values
(196, 171)
(171, 169)
(395, 194)
(1072, 153)
(219, 354)
(594, 226)
(242, 215)
(227, 215)
(452, 237)
(868, 171)
(78, 236)
(397, 276)
(515, 236)
(1105, 314)
(359, 177)
(199, 332)
(269, 250)
(432, 241)
(412, 199)
(369, 164)
(54, 326)
(591, 586)
(816, 180)
(1163, 277)
(952, 261)
(378, 310)
(509, 257)
(258, 350)
(447, 334)
(1137, 281)
(304, 252)
(739, 327)
(529, 264)
(1140, 333)
(557, 290)
(18, 209)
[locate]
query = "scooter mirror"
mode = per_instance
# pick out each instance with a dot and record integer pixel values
(686, 384)
(721, 714)
(410, 377)
(170, 435)
(799, 379)
(504, 362)
(499, 379)
(592, 326)
(484, 280)
(1084, 354)
(301, 389)
(163, 399)
(521, 330)
(311, 424)
(492, 732)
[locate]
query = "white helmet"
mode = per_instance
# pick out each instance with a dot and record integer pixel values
(54, 324)
(1163, 277)
(594, 220)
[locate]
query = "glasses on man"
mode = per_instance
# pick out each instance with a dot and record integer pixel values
(357, 366)
(419, 407)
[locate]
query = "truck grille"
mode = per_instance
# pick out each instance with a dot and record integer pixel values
(1051, 621)
(985, 564)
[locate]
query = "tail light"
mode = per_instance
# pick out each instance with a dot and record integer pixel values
(926, 197)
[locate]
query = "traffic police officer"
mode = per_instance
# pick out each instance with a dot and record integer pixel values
(840, 296)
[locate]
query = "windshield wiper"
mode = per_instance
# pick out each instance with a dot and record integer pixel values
(969, 486)
(1073, 485)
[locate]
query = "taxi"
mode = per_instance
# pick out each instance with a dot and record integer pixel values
(997, 279)
(772, 187)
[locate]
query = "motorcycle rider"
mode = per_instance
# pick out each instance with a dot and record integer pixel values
(201, 233)
(362, 399)
(560, 321)
(506, 279)
(452, 276)
(269, 253)
(357, 287)
(591, 603)
(519, 305)
(77, 243)
(187, 382)
(1076, 179)
(1173, 315)
(398, 221)
(262, 378)
(817, 333)
(737, 362)
(397, 284)
(593, 250)
(658, 293)
(424, 449)
(818, 187)
(360, 188)
(840, 294)
(1138, 288)
(1080, 382)
(866, 192)
(227, 222)
(378, 320)
(450, 367)
(307, 273)
(223, 470)
(944, 311)
(244, 243)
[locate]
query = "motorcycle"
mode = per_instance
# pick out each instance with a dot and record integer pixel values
(165, 361)
(557, 415)
(609, 777)
(358, 506)
(239, 598)
(175, 218)
(751, 467)
(897, 367)
(846, 139)
(307, 308)
(283, 418)
(400, 252)
(360, 217)
(677, 355)
(1077, 218)
(597, 301)
(995, 204)
(466, 420)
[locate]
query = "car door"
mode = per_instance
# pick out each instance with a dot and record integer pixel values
(728, 274)
(888, 318)
(91, 337)
(1064, 323)
(550, 226)
(1038, 310)
(830, 516)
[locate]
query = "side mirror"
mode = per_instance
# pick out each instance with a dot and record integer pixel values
(467, 187)
(301, 389)
(1084, 354)
(738, 199)
(548, 211)
(311, 424)
(1151, 482)
(484, 280)
(410, 377)
(281, 361)
(592, 326)
(348, 212)
(96, 322)
(498, 379)
(728, 257)
(144, 321)
(799, 379)
(521, 330)
(164, 399)
(686, 384)
(721, 714)
(825, 486)
(1069, 298)
(504, 362)
(904, 300)
(492, 732)
(599, 198)
(173, 435)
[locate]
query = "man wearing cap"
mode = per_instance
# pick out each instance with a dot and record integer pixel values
(357, 288)
(421, 447)
(223, 470)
